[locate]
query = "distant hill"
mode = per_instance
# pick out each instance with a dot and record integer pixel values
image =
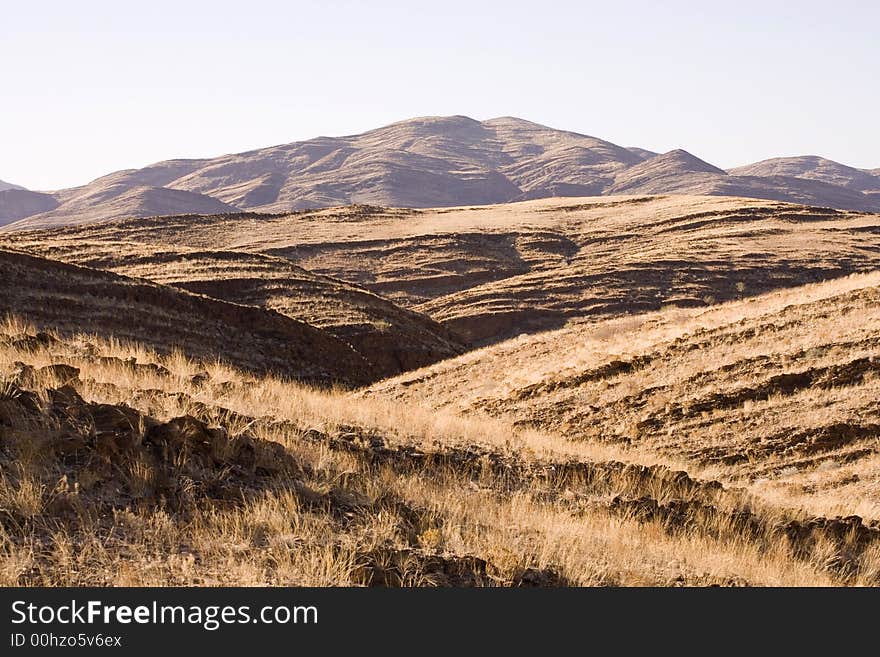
(441, 162)
(643, 153)
(664, 173)
(16, 203)
(114, 201)
(5, 185)
(812, 167)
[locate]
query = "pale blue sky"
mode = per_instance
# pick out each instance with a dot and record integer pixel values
(91, 86)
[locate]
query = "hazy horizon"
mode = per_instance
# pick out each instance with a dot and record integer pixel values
(732, 85)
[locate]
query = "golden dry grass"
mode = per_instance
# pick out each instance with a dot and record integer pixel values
(487, 273)
(774, 394)
(382, 493)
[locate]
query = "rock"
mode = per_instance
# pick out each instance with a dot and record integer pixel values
(65, 375)
(58, 375)
(200, 379)
(26, 342)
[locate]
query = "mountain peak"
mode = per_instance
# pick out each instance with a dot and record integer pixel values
(683, 161)
(813, 167)
(437, 122)
(514, 121)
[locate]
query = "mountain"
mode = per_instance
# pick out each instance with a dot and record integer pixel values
(5, 185)
(427, 162)
(679, 172)
(643, 153)
(440, 162)
(813, 167)
(676, 170)
(110, 201)
(18, 203)
(795, 190)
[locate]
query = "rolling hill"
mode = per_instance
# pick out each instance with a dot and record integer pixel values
(123, 201)
(773, 393)
(731, 445)
(484, 273)
(440, 162)
(812, 167)
(390, 339)
(71, 299)
(674, 390)
(17, 204)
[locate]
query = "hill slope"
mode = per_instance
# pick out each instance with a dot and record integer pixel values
(658, 438)
(813, 168)
(5, 185)
(679, 172)
(17, 204)
(775, 394)
(494, 272)
(72, 299)
(98, 201)
(390, 338)
(121, 473)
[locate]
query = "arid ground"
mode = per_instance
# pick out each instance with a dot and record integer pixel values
(616, 390)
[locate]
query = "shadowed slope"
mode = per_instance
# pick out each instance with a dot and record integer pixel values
(388, 337)
(5, 185)
(73, 299)
(16, 204)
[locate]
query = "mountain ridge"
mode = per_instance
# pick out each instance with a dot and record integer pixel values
(5, 186)
(438, 162)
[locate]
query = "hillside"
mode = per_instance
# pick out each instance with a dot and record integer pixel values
(679, 172)
(5, 185)
(389, 338)
(774, 395)
(72, 299)
(126, 472)
(814, 168)
(656, 171)
(485, 273)
(122, 201)
(442, 162)
(158, 423)
(17, 204)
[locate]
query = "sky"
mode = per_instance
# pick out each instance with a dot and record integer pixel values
(91, 87)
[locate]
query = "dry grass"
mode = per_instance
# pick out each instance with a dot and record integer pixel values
(380, 493)
(775, 394)
(487, 273)
(699, 415)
